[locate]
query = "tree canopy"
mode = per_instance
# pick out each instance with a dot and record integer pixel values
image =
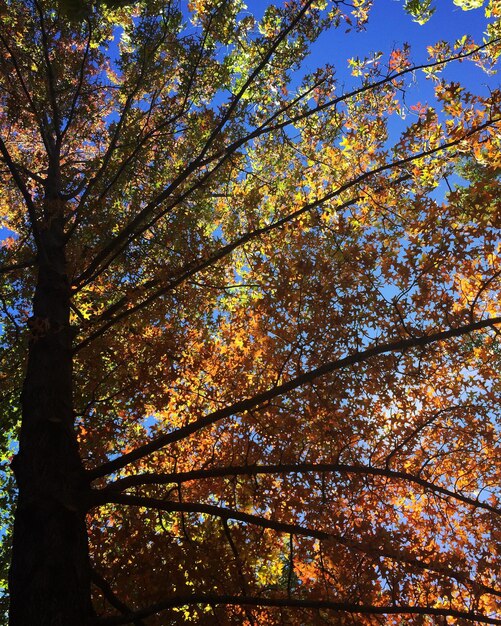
(250, 316)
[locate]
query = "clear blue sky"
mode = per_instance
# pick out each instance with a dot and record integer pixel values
(390, 26)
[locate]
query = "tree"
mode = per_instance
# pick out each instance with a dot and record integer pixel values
(251, 337)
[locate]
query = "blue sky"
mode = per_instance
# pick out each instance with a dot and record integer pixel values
(390, 26)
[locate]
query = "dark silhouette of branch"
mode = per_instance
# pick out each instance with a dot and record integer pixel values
(130, 231)
(51, 81)
(129, 101)
(40, 118)
(196, 163)
(238, 564)
(256, 400)
(255, 234)
(291, 603)
(224, 513)
(16, 266)
(30, 205)
(290, 468)
(111, 597)
(81, 77)
(485, 285)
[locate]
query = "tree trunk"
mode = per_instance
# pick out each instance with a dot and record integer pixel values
(49, 577)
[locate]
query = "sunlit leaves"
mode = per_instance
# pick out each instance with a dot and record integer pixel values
(231, 222)
(421, 10)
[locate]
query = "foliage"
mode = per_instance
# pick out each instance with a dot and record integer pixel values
(285, 305)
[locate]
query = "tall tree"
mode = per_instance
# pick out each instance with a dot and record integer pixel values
(250, 319)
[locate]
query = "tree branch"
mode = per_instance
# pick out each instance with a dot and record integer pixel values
(26, 92)
(30, 205)
(81, 77)
(252, 77)
(291, 603)
(129, 232)
(224, 513)
(51, 80)
(289, 468)
(196, 163)
(111, 597)
(401, 345)
(229, 248)
(16, 266)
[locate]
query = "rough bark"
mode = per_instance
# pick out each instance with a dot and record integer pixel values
(50, 575)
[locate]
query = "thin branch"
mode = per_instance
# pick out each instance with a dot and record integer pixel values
(129, 232)
(81, 78)
(338, 607)
(225, 154)
(30, 205)
(120, 170)
(26, 92)
(369, 547)
(198, 161)
(112, 598)
(16, 266)
(117, 131)
(253, 75)
(291, 564)
(415, 432)
(289, 468)
(485, 285)
(229, 248)
(188, 273)
(265, 127)
(51, 80)
(30, 173)
(183, 109)
(254, 401)
(238, 564)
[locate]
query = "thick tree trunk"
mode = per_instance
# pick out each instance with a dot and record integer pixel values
(50, 578)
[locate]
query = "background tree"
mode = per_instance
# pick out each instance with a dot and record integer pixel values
(251, 342)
